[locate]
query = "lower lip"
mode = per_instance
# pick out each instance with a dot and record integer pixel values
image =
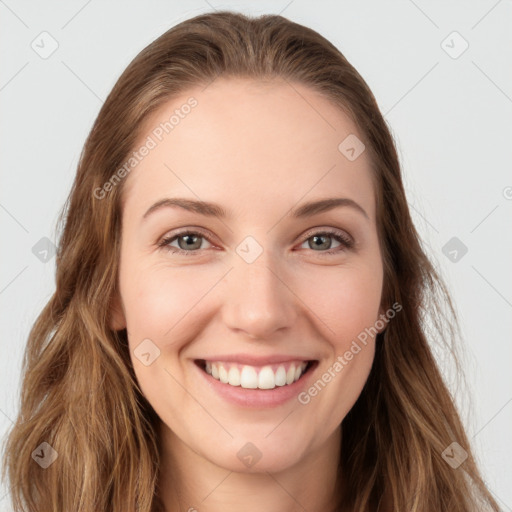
(262, 398)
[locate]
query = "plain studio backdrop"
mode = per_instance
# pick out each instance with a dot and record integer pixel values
(442, 75)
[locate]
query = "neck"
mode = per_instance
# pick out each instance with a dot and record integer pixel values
(189, 482)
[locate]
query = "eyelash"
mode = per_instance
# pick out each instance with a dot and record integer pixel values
(346, 242)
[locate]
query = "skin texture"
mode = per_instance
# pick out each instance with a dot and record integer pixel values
(259, 149)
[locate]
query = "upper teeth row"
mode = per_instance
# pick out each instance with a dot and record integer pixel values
(250, 378)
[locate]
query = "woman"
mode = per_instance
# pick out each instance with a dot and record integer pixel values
(259, 371)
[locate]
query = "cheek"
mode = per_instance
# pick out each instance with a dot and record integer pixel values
(349, 307)
(346, 300)
(159, 299)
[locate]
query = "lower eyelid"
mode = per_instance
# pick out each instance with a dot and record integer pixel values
(344, 241)
(166, 241)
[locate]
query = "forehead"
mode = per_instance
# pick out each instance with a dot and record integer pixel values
(247, 141)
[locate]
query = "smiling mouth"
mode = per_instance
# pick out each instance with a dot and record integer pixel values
(251, 377)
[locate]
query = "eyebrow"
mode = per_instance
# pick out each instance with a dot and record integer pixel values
(209, 209)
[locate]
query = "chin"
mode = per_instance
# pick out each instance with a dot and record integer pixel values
(256, 456)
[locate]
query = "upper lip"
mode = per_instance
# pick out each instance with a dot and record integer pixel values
(253, 360)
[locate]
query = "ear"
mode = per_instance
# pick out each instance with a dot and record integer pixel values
(117, 318)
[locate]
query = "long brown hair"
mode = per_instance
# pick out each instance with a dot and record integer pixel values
(79, 391)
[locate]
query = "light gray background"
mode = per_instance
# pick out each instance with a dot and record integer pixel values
(451, 118)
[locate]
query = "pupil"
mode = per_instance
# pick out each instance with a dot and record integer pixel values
(188, 242)
(326, 244)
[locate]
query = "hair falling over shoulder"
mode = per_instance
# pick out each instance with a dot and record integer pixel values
(79, 393)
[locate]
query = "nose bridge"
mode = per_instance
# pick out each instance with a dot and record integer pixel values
(257, 299)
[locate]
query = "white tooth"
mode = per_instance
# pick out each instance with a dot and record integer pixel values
(280, 377)
(234, 376)
(290, 375)
(249, 378)
(223, 374)
(266, 378)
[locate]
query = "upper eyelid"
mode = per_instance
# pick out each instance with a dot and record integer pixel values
(307, 234)
(185, 231)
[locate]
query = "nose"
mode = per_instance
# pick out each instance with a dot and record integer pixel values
(258, 300)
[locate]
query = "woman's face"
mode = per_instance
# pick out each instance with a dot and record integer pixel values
(265, 285)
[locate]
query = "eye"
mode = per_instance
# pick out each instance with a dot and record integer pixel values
(192, 240)
(319, 241)
(189, 242)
